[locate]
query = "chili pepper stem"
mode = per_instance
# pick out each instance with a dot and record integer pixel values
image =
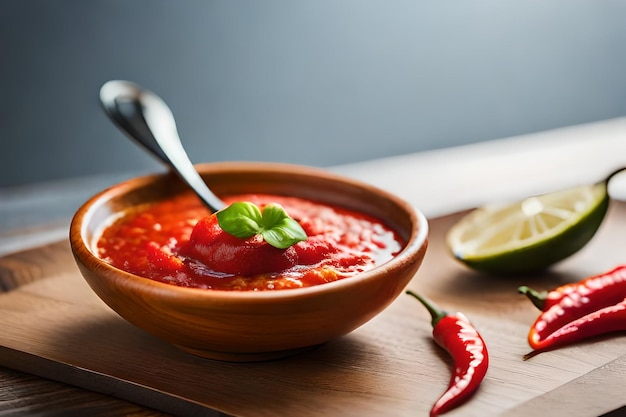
(537, 298)
(435, 312)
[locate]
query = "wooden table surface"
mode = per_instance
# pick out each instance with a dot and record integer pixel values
(437, 182)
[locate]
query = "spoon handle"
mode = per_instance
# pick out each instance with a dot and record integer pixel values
(148, 121)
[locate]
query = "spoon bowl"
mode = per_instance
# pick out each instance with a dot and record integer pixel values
(147, 120)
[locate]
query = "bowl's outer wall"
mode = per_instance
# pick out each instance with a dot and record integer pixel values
(221, 321)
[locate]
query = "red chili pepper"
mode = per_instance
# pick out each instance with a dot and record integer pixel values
(605, 320)
(609, 286)
(461, 340)
(576, 311)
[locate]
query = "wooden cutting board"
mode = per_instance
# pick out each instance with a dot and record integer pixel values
(54, 326)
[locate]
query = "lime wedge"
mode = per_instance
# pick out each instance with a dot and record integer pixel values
(529, 235)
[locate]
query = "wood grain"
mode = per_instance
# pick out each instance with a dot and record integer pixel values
(592, 385)
(29, 266)
(25, 394)
(54, 326)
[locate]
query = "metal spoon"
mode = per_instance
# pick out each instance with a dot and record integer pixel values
(146, 119)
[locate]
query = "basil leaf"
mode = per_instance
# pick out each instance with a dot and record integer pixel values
(241, 219)
(280, 230)
(244, 220)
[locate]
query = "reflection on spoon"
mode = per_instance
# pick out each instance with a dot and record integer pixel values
(146, 119)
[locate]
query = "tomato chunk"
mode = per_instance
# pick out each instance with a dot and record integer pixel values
(226, 253)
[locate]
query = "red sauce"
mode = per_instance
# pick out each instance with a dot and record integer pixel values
(178, 242)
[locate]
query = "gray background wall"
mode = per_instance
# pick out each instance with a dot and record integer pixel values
(317, 82)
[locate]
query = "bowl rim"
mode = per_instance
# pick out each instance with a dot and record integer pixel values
(84, 251)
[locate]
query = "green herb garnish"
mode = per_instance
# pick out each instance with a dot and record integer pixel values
(244, 220)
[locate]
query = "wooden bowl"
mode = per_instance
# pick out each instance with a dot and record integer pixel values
(244, 325)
